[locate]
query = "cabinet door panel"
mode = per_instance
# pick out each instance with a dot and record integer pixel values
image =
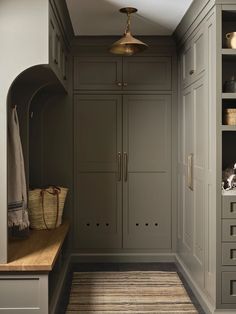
(98, 210)
(148, 133)
(199, 170)
(199, 55)
(188, 149)
(98, 125)
(98, 140)
(147, 73)
(187, 63)
(147, 191)
(97, 73)
(147, 223)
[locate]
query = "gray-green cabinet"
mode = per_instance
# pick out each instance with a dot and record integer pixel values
(193, 60)
(147, 186)
(123, 171)
(98, 187)
(196, 184)
(117, 73)
(194, 189)
(58, 51)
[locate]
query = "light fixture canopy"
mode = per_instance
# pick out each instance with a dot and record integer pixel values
(128, 45)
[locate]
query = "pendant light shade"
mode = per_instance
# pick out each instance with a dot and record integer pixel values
(128, 45)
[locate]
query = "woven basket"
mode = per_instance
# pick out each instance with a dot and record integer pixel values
(46, 207)
(230, 116)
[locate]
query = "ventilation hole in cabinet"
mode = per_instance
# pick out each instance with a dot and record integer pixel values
(137, 224)
(88, 224)
(146, 224)
(156, 224)
(97, 224)
(107, 224)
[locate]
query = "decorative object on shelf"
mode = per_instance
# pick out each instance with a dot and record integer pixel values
(46, 207)
(128, 45)
(230, 116)
(231, 40)
(229, 178)
(230, 86)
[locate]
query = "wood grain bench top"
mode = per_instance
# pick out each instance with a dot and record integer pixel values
(38, 252)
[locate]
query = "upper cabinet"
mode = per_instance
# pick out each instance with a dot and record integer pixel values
(193, 57)
(58, 50)
(98, 73)
(117, 73)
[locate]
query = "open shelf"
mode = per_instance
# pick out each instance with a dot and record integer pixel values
(229, 96)
(229, 192)
(229, 52)
(228, 127)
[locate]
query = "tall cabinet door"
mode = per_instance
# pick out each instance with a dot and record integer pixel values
(147, 171)
(194, 189)
(98, 186)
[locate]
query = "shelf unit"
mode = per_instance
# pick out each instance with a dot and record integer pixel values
(227, 232)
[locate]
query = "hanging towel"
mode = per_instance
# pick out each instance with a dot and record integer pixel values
(17, 195)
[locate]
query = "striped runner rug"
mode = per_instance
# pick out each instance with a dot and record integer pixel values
(129, 292)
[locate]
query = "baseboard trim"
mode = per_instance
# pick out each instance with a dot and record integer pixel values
(201, 297)
(122, 257)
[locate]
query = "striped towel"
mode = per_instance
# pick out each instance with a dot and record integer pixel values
(17, 195)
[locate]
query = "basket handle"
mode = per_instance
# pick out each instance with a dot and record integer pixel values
(56, 191)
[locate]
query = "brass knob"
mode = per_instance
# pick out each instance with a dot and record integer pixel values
(191, 72)
(119, 84)
(125, 84)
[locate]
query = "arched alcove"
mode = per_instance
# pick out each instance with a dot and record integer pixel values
(45, 118)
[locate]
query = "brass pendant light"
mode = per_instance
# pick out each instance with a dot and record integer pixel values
(128, 45)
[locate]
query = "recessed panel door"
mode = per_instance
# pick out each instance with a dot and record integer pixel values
(147, 171)
(98, 73)
(147, 73)
(98, 185)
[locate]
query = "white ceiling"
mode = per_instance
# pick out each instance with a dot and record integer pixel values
(102, 17)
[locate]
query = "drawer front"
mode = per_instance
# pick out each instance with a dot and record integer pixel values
(24, 294)
(229, 207)
(228, 287)
(229, 230)
(229, 254)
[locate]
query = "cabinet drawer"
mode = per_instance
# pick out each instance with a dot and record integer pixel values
(16, 293)
(98, 73)
(24, 294)
(229, 206)
(229, 254)
(229, 230)
(228, 287)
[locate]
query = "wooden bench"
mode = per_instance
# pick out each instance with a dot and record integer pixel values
(24, 280)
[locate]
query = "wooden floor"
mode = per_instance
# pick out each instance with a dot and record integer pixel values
(125, 267)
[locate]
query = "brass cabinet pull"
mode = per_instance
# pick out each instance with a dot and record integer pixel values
(119, 84)
(126, 166)
(190, 172)
(119, 166)
(191, 72)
